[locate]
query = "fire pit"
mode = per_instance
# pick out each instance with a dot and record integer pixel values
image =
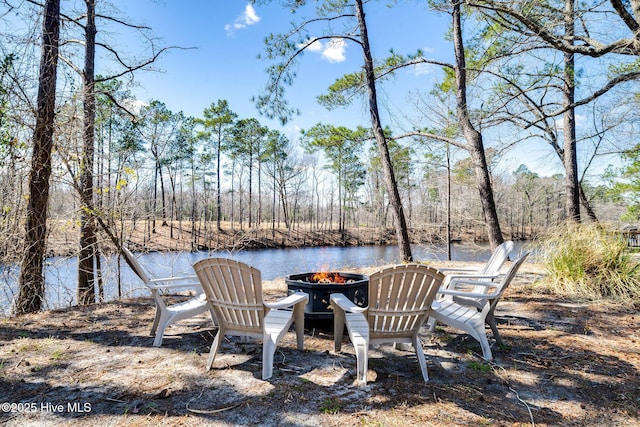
(320, 286)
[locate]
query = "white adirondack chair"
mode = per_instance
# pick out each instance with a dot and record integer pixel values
(166, 313)
(469, 310)
(456, 277)
(490, 270)
(234, 290)
(400, 299)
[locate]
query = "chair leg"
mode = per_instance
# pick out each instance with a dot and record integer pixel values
(431, 324)
(338, 328)
(268, 352)
(269, 345)
(214, 320)
(165, 320)
(484, 343)
(298, 323)
(154, 327)
(361, 347)
(358, 328)
(276, 325)
(417, 345)
(215, 345)
(491, 320)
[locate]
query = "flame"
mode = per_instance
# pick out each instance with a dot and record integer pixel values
(324, 277)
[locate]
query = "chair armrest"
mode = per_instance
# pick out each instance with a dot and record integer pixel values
(467, 294)
(175, 282)
(289, 301)
(476, 283)
(346, 304)
(175, 278)
(453, 269)
(455, 277)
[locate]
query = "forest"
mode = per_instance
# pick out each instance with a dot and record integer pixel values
(79, 152)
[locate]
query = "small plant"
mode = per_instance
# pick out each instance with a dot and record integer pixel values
(57, 355)
(481, 367)
(330, 406)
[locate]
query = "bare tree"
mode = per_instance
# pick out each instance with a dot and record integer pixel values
(274, 105)
(457, 75)
(402, 232)
(473, 137)
(554, 25)
(88, 241)
(31, 293)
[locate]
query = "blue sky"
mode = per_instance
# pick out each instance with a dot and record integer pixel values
(227, 37)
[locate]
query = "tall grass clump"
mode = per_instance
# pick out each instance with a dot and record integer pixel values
(586, 261)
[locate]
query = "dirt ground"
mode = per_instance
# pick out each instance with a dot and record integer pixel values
(565, 363)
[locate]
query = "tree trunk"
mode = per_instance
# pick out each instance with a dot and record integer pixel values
(390, 179)
(86, 269)
(259, 214)
(569, 125)
(31, 293)
(587, 205)
(163, 199)
(218, 184)
(448, 203)
(473, 137)
(194, 241)
(251, 184)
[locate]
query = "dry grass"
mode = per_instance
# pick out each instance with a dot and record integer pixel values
(586, 261)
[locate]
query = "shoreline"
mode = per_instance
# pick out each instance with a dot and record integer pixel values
(179, 236)
(277, 288)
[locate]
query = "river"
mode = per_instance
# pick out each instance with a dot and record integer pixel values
(60, 272)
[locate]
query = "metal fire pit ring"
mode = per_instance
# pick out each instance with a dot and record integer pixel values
(356, 288)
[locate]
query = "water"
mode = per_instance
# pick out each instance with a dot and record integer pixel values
(61, 272)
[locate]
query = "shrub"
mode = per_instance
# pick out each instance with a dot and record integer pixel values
(584, 260)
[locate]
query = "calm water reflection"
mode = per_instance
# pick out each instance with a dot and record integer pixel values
(61, 272)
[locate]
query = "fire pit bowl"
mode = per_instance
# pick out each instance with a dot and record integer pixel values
(320, 286)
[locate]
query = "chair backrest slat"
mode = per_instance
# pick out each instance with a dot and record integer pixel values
(234, 290)
(400, 298)
(498, 258)
(135, 265)
(508, 277)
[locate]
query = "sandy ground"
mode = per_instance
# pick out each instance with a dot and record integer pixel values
(565, 363)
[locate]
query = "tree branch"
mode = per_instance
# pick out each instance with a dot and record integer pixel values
(430, 135)
(593, 48)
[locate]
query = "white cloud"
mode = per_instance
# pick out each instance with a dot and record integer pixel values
(334, 50)
(313, 45)
(135, 105)
(246, 18)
